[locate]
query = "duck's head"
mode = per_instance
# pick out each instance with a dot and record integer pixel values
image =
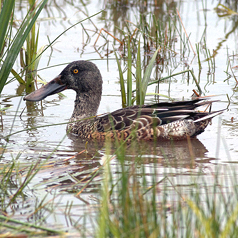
(82, 76)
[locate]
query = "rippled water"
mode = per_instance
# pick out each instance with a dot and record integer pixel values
(218, 144)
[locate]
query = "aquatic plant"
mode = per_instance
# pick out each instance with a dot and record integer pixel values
(10, 47)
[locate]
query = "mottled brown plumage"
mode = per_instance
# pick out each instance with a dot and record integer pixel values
(164, 121)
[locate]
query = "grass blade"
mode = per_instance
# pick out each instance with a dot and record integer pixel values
(138, 76)
(129, 76)
(146, 77)
(18, 77)
(5, 16)
(123, 91)
(230, 223)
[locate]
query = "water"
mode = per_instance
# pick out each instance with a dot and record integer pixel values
(70, 163)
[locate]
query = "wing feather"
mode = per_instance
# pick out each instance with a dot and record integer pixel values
(148, 116)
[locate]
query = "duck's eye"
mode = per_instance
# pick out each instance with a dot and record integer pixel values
(75, 71)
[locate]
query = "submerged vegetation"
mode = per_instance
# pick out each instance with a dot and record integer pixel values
(168, 189)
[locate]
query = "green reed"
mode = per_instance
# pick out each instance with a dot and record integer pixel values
(142, 78)
(135, 204)
(15, 176)
(29, 56)
(139, 64)
(10, 48)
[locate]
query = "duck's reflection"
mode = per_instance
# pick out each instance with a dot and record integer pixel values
(76, 171)
(178, 153)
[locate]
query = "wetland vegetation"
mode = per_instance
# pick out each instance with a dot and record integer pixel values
(54, 184)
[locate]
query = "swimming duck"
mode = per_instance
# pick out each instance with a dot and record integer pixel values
(165, 121)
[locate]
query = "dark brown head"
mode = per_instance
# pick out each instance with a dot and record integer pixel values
(82, 76)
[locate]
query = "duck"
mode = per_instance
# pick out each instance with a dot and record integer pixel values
(161, 121)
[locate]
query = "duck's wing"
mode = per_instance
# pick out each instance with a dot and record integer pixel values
(151, 115)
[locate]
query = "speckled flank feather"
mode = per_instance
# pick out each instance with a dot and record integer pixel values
(161, 121)
(166, 121)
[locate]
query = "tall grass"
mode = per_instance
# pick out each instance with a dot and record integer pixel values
(15, 176)
(10, 48)
(135, 204)
(141, 79)
(30, 56)
(150, 32)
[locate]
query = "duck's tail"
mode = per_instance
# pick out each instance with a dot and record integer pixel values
(209, 116)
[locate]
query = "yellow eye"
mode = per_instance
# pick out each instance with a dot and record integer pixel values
(75, 71)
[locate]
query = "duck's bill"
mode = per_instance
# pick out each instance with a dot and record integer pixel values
(54, 86)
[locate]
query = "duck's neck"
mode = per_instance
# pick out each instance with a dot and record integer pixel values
(85, 105)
